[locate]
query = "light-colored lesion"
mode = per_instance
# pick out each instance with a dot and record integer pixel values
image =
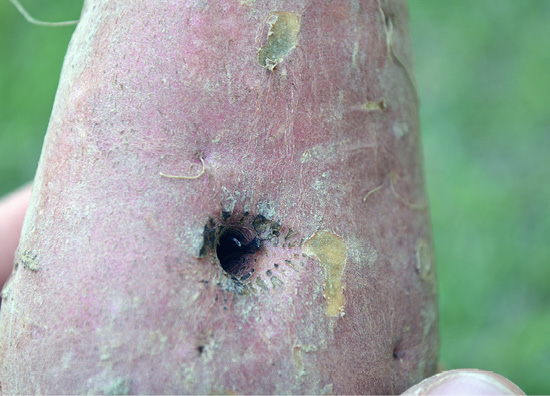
(282, 38)
(330, 250)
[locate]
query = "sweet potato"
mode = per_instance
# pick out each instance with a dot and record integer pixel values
(292, 252)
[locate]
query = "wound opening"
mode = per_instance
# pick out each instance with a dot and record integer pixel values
(398, 351)
(235, 250)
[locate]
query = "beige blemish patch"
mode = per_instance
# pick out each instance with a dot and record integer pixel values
(354, 55)
(425, 264)
(330, 250)
(261, 283)
(297, 356)
(29, 260)
(328, 389)
(298, 361)
(400, 129)
(282, 38)
(375, 106)
(423, 258)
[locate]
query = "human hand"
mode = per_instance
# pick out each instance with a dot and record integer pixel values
(12, 212)
(465, 382)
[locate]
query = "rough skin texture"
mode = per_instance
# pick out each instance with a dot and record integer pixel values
(310, 144)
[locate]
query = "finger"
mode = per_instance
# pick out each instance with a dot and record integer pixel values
(12, 212)
(465, 382)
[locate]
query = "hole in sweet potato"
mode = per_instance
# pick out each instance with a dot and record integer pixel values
(234, 251)
(398, 351)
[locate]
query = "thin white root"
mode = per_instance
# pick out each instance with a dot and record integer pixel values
(409, 75)
(30, 19)
(393, 176)
(372, 191)
(389, 32)
(422, 206)
(391, 51)
(187, 177)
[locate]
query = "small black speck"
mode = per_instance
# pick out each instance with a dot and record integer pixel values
(245, 215)
(275, 228)
(276, 265)
(226, 215)
(200, 348)
(268, 272)
(225, 308)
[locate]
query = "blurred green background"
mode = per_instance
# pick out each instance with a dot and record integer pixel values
(483, 77)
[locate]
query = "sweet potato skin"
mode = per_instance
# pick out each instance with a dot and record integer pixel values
(117, 286)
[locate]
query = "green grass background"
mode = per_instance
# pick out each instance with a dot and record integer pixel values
(483, 77)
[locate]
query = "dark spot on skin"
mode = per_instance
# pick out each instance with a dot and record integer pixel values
(398, 351)
(234, 251)
(268, 272)
(226, 215)
(245, 215)
(275, 229)
(232, 240)
(200, 348)
(248, 275)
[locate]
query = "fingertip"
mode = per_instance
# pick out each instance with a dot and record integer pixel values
(465, 382)
(13, 207)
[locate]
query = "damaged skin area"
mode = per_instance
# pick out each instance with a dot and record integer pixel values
(330, 250)
(251, 253)
(282, 38)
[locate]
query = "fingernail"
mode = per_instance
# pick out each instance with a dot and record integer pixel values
(468, 382)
